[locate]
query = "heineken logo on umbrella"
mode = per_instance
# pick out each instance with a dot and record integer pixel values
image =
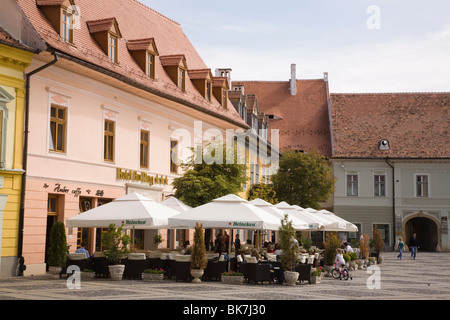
(134, 222)
(243, 224)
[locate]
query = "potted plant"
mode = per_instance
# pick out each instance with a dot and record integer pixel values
(153, 274)
(289, 251)
(353, 258)
(331, 244)
(316, 275)
(157, 239)
(378, 243)
(307, 244)
(87, 274)
(115, 247)
(364, 250)
(198, 254)
(347, 259)
(57, 251)
(233, 277)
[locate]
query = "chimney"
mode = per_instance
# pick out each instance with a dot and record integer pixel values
(224, 72)
(293, 80)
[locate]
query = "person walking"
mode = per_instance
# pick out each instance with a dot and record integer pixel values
(400, 248)
(414, 245)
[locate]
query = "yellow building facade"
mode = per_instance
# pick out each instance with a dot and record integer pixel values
(13, 62)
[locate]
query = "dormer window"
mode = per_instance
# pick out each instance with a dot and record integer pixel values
(144, 51)
(220, 90)
(113, 48)
(60, 13)
(175, 66)
(107, 34)
(67, 26)
(208, 90)
(202, 80)
(224, 98)
(182, 79)
(150, 65)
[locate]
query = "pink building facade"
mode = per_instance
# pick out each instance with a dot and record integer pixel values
(101, 125)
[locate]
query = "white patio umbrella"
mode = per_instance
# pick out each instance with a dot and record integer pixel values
(330, 224)
(176, 204)
(314, 223)
(297, 223)
(227, 212)
(132, 211)
(344, 224)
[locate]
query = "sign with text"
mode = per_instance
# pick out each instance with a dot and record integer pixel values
(142, 177)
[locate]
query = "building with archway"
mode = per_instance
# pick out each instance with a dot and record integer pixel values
(391, 158)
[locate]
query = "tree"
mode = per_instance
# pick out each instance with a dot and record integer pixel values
(115, 244)
(304, 179)
(263, 191)
(198, 254)
(203, 182)
(57, 251)
(289, 255)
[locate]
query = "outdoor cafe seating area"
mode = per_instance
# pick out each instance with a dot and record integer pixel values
(230, 212)
(176, 266)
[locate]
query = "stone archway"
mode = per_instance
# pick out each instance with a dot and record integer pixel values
(427, 229)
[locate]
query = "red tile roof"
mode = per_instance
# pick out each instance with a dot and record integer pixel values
(136, 21)
(100, 25)
(417, 125)
(304, 123)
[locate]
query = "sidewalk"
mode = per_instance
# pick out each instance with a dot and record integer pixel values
(426, 278)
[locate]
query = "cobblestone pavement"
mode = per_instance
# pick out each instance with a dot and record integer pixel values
(426, 278)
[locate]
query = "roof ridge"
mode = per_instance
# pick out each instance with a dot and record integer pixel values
(275, 81)
(155, 12)
(385, 93)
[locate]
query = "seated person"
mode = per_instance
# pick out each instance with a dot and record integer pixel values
(186, 249)
(83, 250)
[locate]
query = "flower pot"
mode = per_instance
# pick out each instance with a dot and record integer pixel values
(116, 271)
(233, 279)
(87, 275)
(196, 274)
(55, 271)
(152, 276)
(315, 279)
(328, 269)
(291, 278)
(351, 265)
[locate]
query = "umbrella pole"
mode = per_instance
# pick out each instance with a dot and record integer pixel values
(229, 249)
(134, 248)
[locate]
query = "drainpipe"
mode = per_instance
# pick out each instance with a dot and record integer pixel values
(393, 200)
(21, 261)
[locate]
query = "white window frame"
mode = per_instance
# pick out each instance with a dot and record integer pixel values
(415, 185)
(352, 173)
(379, 173)
(5, 98)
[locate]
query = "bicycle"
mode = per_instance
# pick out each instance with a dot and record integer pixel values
(341, 273)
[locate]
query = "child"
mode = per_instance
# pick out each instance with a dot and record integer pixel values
(339, 261)
(400, 248)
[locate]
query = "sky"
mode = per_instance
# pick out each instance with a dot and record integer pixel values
(364, 46)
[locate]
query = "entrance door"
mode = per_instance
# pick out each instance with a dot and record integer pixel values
(52, 217)
(84, 234)
(426, 231)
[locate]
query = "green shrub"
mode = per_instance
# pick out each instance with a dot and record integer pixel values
(331, 244)
(57, 251)
(289, 255)
(198, 253)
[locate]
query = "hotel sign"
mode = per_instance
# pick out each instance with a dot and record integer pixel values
(142, 177)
